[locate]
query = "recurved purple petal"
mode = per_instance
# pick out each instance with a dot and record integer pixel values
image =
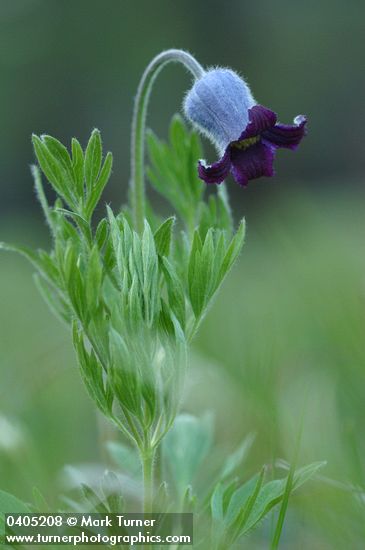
(252, 163)
(260, 119)
(287, 135)
(216, 172)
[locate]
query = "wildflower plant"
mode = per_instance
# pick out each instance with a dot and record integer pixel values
(135, 288)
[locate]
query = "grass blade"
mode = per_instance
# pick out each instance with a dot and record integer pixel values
(289, 485)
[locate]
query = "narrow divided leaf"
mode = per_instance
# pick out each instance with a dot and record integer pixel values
(78, 165)
(163, 237)
(95, 193)
(233, 251)
(93, 155)
(57, 169)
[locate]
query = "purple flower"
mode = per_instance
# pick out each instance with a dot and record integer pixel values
(247, 134)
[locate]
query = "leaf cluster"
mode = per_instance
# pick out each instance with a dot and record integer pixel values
(134, 301)
(78, 179)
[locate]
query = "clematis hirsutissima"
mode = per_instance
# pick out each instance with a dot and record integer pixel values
(247, 134)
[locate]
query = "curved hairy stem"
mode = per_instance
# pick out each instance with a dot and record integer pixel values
(139, 124)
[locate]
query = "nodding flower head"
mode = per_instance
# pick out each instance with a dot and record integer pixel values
(221, 105)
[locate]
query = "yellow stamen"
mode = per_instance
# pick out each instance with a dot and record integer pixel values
(245, 143)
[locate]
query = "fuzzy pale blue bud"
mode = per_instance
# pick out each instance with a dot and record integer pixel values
(218, 105)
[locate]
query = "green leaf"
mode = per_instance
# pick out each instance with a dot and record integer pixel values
(10, 504)
(135, 303)
(80, 222)
(55, 302)
(48, 164)
(75, 283)
(251, 502)
(204, 265)
(216, 503)
(239, 499)
(149, 256)
(196, 277)
(132, 251)
(185, 447)
(60, 153)
(93, 155)
(126, 458)
(150, 275)
(55, 170)
(235, 460)
(173, 171)
(96, 191)
(94, 279)
(91, 372)
(112, 491)
(215, 213)
(114, 229)
(163, 236)
(273, 492)
(65, 230)
(67, 261)
(78, 165)
(92, 498)
(165, 321)
(208, 260)
(101, 234)
(178, 134)
(232, 253)
(124, 379)
(229, 491)
(245, 512)
(175, 291)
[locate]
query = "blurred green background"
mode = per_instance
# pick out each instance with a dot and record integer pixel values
(290, 321)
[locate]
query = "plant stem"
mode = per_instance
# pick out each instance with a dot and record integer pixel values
(139, 124)
(147, 458)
